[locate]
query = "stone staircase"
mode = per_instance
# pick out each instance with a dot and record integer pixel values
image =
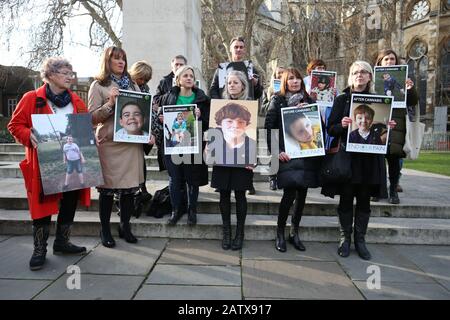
(423, 217)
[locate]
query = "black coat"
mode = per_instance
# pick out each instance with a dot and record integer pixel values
(195, 174)
(216, 93)
(366, 168)
(164, 87)
(299, 172)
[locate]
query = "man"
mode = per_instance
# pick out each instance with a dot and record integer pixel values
(238, 52)
(167, 82)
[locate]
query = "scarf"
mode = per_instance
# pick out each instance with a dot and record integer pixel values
(59, 100)
(123, 83)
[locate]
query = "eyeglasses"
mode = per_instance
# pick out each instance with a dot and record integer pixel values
(360, 72)
(70, 75)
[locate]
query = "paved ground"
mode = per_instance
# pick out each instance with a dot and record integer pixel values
(158, 268)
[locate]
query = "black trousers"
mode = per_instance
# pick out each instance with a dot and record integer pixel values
(289, 195)
(394, 168)
(350, 191)
(67, 208)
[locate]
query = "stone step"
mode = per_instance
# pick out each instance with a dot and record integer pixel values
(12, 156)
(12, 147)
(258, 227)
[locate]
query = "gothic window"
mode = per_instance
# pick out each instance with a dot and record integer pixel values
(418, 71)
(444, 74)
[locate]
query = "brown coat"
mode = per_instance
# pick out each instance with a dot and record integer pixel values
(121, 162)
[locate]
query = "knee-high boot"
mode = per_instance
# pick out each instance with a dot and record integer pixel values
(294, 237)
(345, 228)
(127, 208)
(361, 223)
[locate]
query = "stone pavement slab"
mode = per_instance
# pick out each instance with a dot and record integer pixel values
(433, 260)
(3, 238)
(198, 252)
(15, 289)
(94, 287)
(124, 258)
(296, 280)
(195, 275)
(265, 250)
(393, 265)
(174, 292)
(16, 253)
(404, 291)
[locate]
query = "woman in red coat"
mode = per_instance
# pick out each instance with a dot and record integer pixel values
(54, 97)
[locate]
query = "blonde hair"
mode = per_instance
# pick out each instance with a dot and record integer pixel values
(365, 66)
(141, 70)
(182, 70)
(243, 79)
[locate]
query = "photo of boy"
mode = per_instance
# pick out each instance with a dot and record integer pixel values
(300, 128)
(131, 120)
(179, 129)
(73, 157)
(390, 84)
(323, 92)
(367, 132)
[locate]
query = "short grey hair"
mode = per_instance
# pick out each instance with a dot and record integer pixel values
(53, 65)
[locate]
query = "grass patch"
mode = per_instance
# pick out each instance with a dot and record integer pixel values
(434, 162)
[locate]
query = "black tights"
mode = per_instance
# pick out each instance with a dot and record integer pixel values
(67, 208)
(225, 203)
(360, 192)
(105, 208)
(394, 169)
(289, 195)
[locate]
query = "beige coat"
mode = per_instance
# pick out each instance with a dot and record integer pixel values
(122, 163)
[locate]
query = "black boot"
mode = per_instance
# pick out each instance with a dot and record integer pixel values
(361, 223)
(127, 209)
(176, 215)
(280, 242)
(393, 195)
(239, 237)
(294, 238)
(62, 245)
(345, 228)
(40, 237)
(225, 211)
(192, 216)
(105, 206)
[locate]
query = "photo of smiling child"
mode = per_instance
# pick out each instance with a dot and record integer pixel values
(302, 128)
(323, 87)
(132, 117)
(369, 129)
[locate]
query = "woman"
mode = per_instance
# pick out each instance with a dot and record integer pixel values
(121, 162)
(227, 178)
(276, 75)
(366, 168)
(395, 152)
(195, 175)
(53, 97)
(297, 175)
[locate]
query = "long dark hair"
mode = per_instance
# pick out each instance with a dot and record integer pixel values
(284, 81)
(384, 53)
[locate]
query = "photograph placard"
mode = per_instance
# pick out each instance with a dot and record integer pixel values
(232, 133)
(369, 131)
(132, 117)
(67, 153)
(323, 87)
(302, 131)
(276, 85)
(391, 81)
(181, 130)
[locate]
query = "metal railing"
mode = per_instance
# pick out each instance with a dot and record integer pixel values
(436, 142)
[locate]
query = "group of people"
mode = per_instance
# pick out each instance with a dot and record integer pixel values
(123, 164)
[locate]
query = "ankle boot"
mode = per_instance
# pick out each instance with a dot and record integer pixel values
(239, 237)
(106, 237)
(294, 238)
(345, 228)
(62, 245)
(280, 242)
(40, 237)
(192, 216)
(361, 223)
(393, 195)
(125, 232)
(176, 215)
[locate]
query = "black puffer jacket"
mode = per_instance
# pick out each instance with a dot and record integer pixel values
(164, 87)
(195, 174)
(300, 172)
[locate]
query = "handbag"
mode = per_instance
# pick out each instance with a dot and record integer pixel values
(336, 167)
(414, 136)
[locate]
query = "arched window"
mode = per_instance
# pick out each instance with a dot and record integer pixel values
(418, 71)
(444, 75)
